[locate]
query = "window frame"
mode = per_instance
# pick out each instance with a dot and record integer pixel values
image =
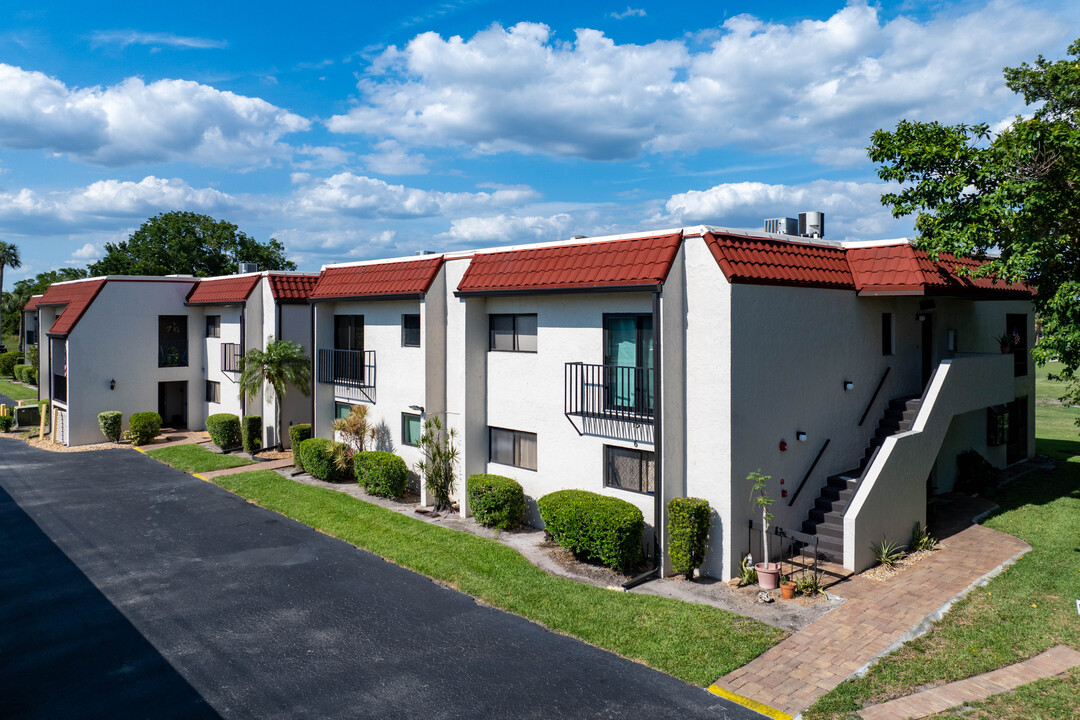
(515, 333)
(213, 330)
(516, 436)
(405, 417)
(337, 408)
(608, 449)
(404, 331)
(213, 391)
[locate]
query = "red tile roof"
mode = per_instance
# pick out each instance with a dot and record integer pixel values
(766, 261)
(905, 268)
(292, 288)
(76, 296)
(223, 290)
(641, 262)
(32, 303)
(404, 277)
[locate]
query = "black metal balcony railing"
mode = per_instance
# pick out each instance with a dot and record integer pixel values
(614, 392)
(350, 368)
(230, 357)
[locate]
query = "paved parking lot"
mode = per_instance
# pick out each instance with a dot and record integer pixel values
(128, 589)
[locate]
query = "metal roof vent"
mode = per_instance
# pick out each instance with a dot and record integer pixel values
(812, 224)
(783, 226)
(424, 252)
(246, 267)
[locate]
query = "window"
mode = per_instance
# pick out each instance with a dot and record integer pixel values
(31, 337)
(1016, 334)
(513, 333)
(213, 326)
(628, 363)
(411, 428)
(512, 447)
(348, 332)
(629, 469)
(888, 336)
(213, 391)
(410, 331)
(172, 341)
(342, 410)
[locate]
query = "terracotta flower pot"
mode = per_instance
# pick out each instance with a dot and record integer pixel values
(787, 590)
(768, 575)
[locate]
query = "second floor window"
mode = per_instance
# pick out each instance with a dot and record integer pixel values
(513, 333)
(213, 326)
(172, 341)
(349, 332)
(410, 331)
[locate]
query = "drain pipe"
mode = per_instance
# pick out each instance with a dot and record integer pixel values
(658, 473)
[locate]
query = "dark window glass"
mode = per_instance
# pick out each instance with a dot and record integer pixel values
(172, 341)
(512, 447)
(513, 333)
(213, 391)
(629, 469)
(410, 330)
(213, 326)
(411, 428)
(887, 334)
(348, 332)
(342, 410)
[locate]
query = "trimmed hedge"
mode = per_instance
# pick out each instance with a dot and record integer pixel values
(143, 427)
(224, 429)
(19, 372)
(30, 375)
(251, 433)
(111, 423)
(8, 361)
(317, 454)
(496, 501)
(381, 473)
(595, 527)
(6, 421)
(298, 434)
(688, 533)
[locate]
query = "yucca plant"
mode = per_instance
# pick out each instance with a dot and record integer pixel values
(921, 539)
(887, 553)
(437, 467)
(810, 584)
(356, 430)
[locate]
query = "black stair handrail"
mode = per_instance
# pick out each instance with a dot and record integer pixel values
(808, 472)
(869, 405)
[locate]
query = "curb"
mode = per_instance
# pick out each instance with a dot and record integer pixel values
(748, 703)
(200, 477)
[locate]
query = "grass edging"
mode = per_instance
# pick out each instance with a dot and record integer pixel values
(194, 458)
(694, 643)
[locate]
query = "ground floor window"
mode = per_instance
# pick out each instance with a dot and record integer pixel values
(410, 429)
(512, 447)
(629, 469)
(342, 410)
(213, 391)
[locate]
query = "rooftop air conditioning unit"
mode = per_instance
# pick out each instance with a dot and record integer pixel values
(783, 226)
(812, 224)
(246, 267)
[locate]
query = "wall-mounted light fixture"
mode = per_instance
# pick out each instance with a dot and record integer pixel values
(848, 385)
(112, 384)
(800, 436)
(417, 408)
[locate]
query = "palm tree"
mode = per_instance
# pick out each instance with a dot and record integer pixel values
(281, 364)
(9, 257)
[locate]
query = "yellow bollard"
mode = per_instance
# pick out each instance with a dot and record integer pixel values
(41, 428)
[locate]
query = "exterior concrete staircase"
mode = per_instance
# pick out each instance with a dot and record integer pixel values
(826, 519)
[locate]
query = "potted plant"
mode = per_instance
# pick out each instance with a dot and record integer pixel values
(787, 588)
(768, 572)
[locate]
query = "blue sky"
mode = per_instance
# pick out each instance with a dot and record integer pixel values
(361, 130)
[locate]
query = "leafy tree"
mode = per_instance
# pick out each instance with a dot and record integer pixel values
(187, 243)
(9, 257)
(281, 364)
(1016, 192)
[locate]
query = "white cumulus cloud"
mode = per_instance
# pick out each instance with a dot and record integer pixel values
(506, 229)
(137, 122)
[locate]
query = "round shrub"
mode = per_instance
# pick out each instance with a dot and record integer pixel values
(688, 533)
(6, 421)
(143, 427)
(595, 527)
(298, 434)
(318, 456)
(496, 501)
(8, 361)
(381, 473)
(224, 429)
(110, 423)
(251, 433)
(19, 372)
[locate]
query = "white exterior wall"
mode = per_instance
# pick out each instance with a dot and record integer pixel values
(211, 358)
(117, 338)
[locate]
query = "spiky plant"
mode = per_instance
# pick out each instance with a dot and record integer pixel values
(887, 553)
(355, 428)
(440, 453)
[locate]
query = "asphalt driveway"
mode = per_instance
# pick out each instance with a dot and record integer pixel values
(128, 589)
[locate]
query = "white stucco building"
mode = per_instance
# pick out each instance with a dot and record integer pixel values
(675, 363)
(165, 344)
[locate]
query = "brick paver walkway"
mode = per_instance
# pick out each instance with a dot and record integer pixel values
(791, 675)
(1054, 661)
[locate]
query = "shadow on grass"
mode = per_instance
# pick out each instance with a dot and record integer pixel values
(68, 651)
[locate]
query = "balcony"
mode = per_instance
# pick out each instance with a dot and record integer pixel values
(611, 400)
(173, 355)
(351, 372)
(230, 357)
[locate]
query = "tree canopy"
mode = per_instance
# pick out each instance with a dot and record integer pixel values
(1014, 192)
(188, 243)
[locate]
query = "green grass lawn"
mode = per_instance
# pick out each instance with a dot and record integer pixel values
(196, 459)
(16, 391)
(692, 642)
(1025, 610)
